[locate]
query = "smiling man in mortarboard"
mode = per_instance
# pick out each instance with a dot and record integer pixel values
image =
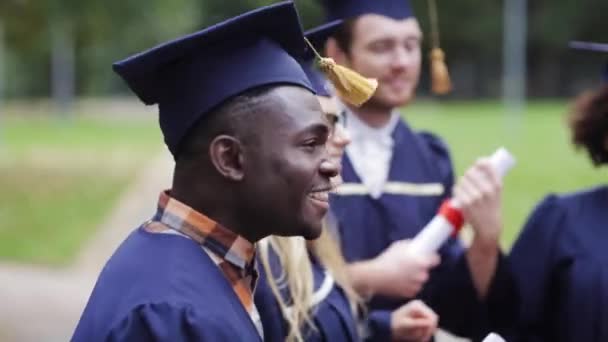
(248, 137)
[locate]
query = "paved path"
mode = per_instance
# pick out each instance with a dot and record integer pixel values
(42, 304)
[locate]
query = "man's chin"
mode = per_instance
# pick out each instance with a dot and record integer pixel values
(395, 100)
(312, 232)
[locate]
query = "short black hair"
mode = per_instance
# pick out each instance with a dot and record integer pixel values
(589, 124)
(232, 117)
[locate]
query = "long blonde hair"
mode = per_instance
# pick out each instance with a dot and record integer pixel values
(297, 276)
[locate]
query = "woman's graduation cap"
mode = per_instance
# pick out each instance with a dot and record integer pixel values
(190, 76)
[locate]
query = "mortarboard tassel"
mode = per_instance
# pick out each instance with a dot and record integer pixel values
(350, 86)
(440, 77)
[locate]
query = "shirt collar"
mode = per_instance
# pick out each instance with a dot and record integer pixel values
(222, 241)
(361, 130)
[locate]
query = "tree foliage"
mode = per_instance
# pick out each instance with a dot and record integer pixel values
(107, 30)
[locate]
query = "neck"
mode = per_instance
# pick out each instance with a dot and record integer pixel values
(373, 116)
(205, 200)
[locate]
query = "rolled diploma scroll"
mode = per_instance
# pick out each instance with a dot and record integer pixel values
(449, 220)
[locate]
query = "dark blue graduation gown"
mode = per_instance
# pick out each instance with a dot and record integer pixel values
(332, 317)
(560, 261)
(161, 287)
(367, 226)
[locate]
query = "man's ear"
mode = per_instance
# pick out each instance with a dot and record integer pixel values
(333, 51)
(226, 154)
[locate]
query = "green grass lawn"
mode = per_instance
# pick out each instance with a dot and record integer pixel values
(538, 137)
(60, 177)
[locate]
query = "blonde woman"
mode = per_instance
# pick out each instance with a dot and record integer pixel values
(304, 293)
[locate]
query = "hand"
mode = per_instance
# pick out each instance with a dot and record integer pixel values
(478, 193)
(399, 272)
(413, 322)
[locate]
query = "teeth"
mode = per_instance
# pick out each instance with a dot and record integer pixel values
(320, 195)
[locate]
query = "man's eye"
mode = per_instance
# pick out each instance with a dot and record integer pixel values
(380, 46)
(310, 143)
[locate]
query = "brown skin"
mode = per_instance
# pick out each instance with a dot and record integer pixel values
(262, 185)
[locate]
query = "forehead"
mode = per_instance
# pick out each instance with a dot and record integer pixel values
(299, 109)
(372, 27)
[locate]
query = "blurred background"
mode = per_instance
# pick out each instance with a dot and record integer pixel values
(82, 161)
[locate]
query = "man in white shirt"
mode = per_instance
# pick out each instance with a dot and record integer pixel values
(395, 179)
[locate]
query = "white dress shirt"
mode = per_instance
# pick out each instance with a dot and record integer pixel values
(371, 151)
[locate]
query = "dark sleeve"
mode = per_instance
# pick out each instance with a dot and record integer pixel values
(442, 161)
(379, 326)
(167, 322)
(502, 302)
(450, 292)
(532, 262)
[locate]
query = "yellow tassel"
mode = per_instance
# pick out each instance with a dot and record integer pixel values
(350, 86)
(440, 76)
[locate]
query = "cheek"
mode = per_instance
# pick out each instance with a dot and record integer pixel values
(416, 63)
(292, 174)
(371, 64)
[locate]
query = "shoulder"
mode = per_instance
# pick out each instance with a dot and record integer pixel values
(156, 264)
(146, 273)
(548, 211)
(435, 143)
(424, 143)
(584, 198)
(166, 321)
(544, 225)
(438, 152)
(559, 206)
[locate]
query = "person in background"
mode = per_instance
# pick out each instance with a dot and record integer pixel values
(395, 180)
(560, 260)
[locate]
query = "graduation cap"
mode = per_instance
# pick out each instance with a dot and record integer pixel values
(347, 9)
(595, 47)
(398, 10)
(190, 76)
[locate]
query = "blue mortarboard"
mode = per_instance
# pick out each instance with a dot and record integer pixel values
(190, 76)
(596, 47)
(317, 37)
(348, 9)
